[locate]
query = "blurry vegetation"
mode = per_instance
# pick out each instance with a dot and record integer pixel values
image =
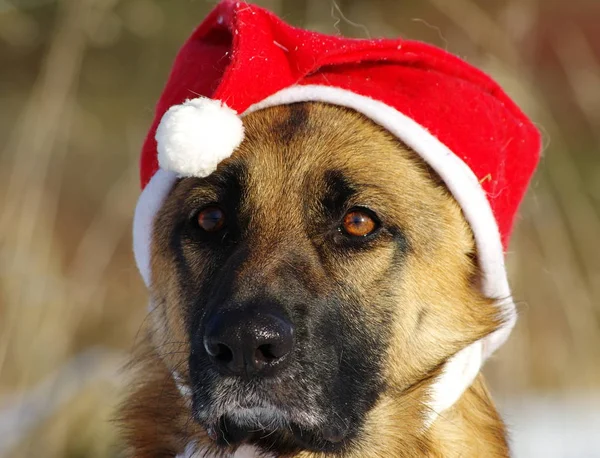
(78, 82)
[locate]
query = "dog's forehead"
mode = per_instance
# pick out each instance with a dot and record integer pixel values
(310, 146)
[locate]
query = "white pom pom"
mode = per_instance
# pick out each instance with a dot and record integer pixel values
(195, 136)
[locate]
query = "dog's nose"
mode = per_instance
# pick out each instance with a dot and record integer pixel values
(248, 343)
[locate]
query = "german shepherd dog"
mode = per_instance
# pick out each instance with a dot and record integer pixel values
(305, 298)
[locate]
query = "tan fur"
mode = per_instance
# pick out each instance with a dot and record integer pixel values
(439, 307)
(156, 420)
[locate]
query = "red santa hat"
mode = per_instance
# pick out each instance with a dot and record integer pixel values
(242, 59)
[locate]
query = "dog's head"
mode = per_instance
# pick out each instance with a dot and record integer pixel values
(314, 284)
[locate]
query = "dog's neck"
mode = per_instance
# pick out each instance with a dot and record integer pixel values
(471, 428)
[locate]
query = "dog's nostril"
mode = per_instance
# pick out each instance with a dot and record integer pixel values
(223, 353)
(218, 350)
(265, 353)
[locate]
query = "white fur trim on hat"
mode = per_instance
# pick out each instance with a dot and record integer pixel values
(147, 207)
(456, 377)
(192, 138)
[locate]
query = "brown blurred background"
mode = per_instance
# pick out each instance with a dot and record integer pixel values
(78, 81)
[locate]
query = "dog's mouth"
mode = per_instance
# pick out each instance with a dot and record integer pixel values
(273, 427)
(263, 428)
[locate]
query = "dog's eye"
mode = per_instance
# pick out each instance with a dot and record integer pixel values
(211, 219)
(359, 222)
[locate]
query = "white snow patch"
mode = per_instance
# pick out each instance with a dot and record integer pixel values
(553, 426)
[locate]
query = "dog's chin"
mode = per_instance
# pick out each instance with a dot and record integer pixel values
(274, 429)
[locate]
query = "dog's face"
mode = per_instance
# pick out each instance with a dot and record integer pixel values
(309, 288)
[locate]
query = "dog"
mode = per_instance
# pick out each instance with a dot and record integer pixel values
(322, 230)
(306, 297)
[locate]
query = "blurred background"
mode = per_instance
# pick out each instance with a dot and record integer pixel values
(78, 82)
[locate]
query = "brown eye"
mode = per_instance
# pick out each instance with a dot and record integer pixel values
(211, 219)
(359, 223)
